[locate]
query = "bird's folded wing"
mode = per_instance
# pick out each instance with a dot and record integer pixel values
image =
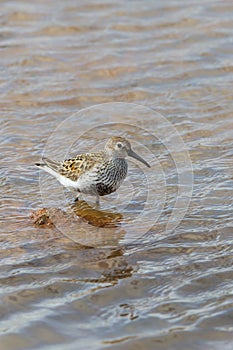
(73, 168)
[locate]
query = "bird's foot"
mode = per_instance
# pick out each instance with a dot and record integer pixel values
(97, 202)
(96, 206)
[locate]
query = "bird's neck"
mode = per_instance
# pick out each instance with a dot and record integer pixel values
(115, 158)
(112, 155)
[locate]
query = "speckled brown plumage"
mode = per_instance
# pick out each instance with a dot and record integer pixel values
(73, 168)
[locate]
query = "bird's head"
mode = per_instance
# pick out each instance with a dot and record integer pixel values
(119, 147)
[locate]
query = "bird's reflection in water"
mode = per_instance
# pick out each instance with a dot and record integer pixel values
(88, 227)
(95, 216)
(105, 231)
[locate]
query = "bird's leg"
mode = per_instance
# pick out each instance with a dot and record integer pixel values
(97, 202)
(79, 197)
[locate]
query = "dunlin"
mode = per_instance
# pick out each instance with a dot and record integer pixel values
(96, 174)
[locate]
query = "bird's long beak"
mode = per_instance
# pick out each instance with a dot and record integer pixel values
(136, 156)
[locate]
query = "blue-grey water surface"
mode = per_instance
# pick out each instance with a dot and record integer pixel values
(165, 291)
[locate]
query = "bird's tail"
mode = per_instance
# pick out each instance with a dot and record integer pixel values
(49, 165)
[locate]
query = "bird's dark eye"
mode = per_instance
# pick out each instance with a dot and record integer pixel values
(119, 145)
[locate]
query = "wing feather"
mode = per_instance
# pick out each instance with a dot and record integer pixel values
(73, 168)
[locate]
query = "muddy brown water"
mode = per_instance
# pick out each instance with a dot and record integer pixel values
(166, 290)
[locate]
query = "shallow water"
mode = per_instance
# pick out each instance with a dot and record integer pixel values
(162, 289)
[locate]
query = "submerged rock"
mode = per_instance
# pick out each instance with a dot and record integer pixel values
(41, 217)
